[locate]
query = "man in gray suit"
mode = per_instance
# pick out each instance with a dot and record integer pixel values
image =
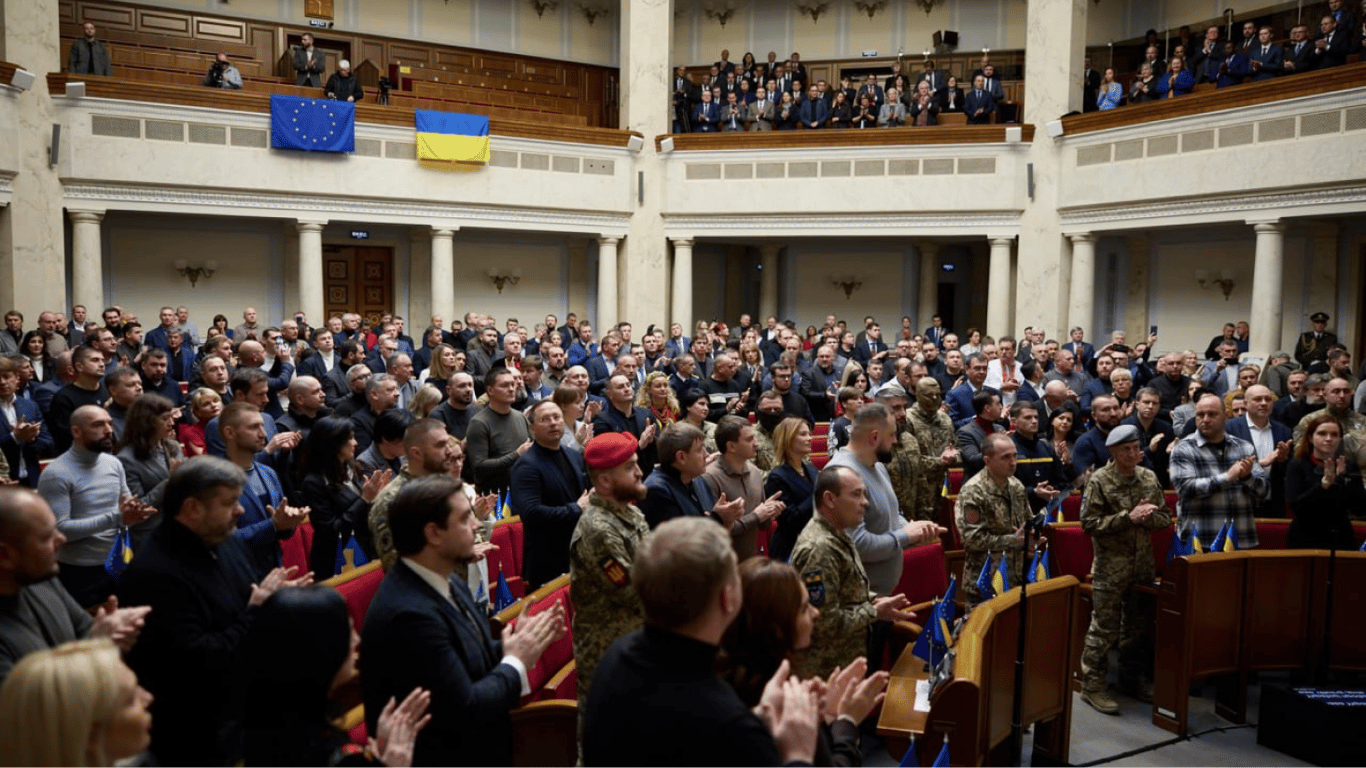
(761, 111)
(88, 55)
(309, 63)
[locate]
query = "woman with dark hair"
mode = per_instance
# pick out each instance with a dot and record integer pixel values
(219, 327)
(747, 64)
(774, 626)
(1060, 426)
(1322, 492)
(296, 729)
(34, 347)
(692, 405)
(149, 453)
(337, 495)
(795, 476)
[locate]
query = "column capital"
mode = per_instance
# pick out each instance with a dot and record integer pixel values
(1269, 226)
(928, 248)
(1001, 242)
(608, 240)
(305, 225)
(1082, 237)
(85, 216)
(444, 233)
(682, 242)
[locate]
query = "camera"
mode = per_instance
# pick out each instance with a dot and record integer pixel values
(385, 85)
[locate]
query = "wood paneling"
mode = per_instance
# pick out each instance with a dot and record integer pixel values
(164, 22)
(220, 29)
(873, 137)
(358, 279)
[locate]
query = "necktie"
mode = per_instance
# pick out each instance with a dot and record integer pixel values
(1265, 48)
(1298, 46)
(474, 626)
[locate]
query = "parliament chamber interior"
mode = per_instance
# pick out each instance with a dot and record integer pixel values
(610, 160)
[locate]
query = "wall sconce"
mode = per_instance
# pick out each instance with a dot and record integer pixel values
(720, 11)
(501, 277)
(812, 8)
(542, 6)
(591, 11)
(870, 7)
(847, 283)
(928, 5)
(1224, 280)
(194, 273)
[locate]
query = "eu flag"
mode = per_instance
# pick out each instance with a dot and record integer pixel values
(909, 759)
(120, 555)
(313, 125)
(984, 585)
(503, 596)
(942, 759)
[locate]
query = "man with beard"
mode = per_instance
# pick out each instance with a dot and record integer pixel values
(601, 550)
(624, 416)
(822, 384)
(549, 491)
(1090, 452)
(769, 415)
(1036, 466)
(794, 404)
(428, 450)
(88, 492)
(455, 413)
(85, 390)
(307, 404)
(266, 518)
(555, 365)
(991, 511)
(932, 428)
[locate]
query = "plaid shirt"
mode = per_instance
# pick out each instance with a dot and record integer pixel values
(1206, 498)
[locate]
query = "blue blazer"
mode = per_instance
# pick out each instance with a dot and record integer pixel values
(313, 366)
(666, 497)
(960, 403)
(547, 502)
(597, 374)
(1274, 505)
(1082, 351)
(28, 453)
(415, 637)
(255, 526)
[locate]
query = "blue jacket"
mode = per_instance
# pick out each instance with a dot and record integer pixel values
(255, 526)
(666, 497)
(27, 453)
(547, 502)
(960, 403)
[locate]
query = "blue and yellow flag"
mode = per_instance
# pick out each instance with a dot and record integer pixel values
(1038, 570)
(1226, 540)
(451, 140)
(909, 760)
(1000, 580)
(120, 555)
(1055, 508)
(503, 596)
(350, 556)
(985, 587)
(312, 125)
(505, 509)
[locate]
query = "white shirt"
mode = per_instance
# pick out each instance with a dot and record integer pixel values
(7, 408)
(1262, 439)
(996, 373)
(443, 587)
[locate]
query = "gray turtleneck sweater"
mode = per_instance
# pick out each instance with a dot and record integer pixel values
(84, 488)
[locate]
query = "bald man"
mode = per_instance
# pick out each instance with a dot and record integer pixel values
(279, 370)
(1272, 441)
(88, 492)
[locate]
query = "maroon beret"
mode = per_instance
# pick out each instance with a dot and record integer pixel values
(610, 450)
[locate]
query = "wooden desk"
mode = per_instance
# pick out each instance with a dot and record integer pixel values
(974, 709)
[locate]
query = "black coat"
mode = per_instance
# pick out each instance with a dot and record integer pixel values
(799, 497)
(337, 511)
(546, 498)
(666, 497)
(1322, 516)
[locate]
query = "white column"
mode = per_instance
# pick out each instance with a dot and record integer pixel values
(607, 282)
(420, 274)
(311, 301)
(1267, 270)
(443, 273)
(682, 284)
(999, 316)
(1081, 299)
(87, 263)
(927, 306)
(768, 283)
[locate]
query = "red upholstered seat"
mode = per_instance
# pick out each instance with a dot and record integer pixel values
(552, 676)
(1071, 550)
(820, 444)
(1170, 498)
(819, 460)
(1071, 508)
(822, 429)
(955, 480)
(358, 587)
(949, 519)
(764, 534)
(924, 574)
(294, 550)
(506, 560)
(517, 543)
(1162, 545)
(1273, 533)
(1359, 528)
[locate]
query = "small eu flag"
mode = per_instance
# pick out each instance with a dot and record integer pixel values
(949, 610)
(120, 555)
(503, 597)
(312, 124)
(909, 760)
(1226, 540)
(984, 585)
(942, 759)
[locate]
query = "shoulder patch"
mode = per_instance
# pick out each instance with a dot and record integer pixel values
(615, 571)
(971, 515)
(815, 587)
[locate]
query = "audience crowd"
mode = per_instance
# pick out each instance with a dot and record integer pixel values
(154, 476)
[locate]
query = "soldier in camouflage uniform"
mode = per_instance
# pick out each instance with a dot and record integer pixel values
(992, 507)
(1337, 401)
(836, 582)
(601, 551)
(1121, 507)
(906, 467)
(934, 430)
(769, 415)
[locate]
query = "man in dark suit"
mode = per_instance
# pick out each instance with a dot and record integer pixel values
(325, 360)
(601, 366)
(1270, 438)
(1333, 44)
(1266, 57)
(1090, 86)
(1209, 52)
(873, 91)
(1346, 21)
(978, 104)
(309, 63)
(622, 415)
(335, 383)
(1299, 52)
(870, 346)
(423, 630)
(934, 77)
(960, 397)
(23, 435)
(707, 114)
(549, 492)
(266, 518)
(196, 575)
(1083, 351)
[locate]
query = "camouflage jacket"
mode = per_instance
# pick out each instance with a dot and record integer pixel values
(987, 515)
(837, 584)
(1124, 549)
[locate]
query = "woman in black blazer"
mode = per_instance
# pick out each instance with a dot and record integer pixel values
(337, 495)
(1322, 493)
(950, 97)
(794, 475)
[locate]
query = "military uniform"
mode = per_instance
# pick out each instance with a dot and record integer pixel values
(1352, 424)
(934, 431)
(1310, 350)
(837, 584)
(987, 515)
(906, 471)
(605, 604)
(763, 457)
(1123, 559)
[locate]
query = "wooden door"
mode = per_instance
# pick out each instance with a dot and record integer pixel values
(358, 279)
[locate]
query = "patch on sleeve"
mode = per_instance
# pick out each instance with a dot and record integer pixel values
(815, 587)
(615, 571)
(971, 515)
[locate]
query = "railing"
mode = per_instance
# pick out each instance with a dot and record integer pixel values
(848, 137)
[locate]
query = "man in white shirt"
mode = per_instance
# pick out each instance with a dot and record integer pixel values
(1003, 373)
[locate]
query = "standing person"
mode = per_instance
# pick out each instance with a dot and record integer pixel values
(734, 475)
(23, 434)
(602, 549)
(549, 491)
(1120, 509)
(331, 486)
(309, 63)
(1217, 478)
(991, 512)
(498, 435)
(197, 577)
(85, 390)
(1324, 490)
(1110, 93)
(88, 55)
(424, 630)
(794, 477)
(148, 454)
(934, 430)
(266, 518)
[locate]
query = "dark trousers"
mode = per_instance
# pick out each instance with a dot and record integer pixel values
(89, 585)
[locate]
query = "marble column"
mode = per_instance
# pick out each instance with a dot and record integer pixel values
(768, 282)
(607, 282)
(999, 317)
(443, 273)
(1267, 272)
(1081, 299)
(420, 274)
(646, 29)
(311, 299)
(927, 305)
(681, 298)
(87, 262)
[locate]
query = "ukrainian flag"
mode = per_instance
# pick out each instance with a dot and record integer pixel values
(1000, 580)
(451, 140)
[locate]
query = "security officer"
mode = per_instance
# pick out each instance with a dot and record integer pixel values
(1036, 466)
(1121, 507)
(934, 430)
(835, 580)
(601, 551)
(991, 512)
(1313, 345)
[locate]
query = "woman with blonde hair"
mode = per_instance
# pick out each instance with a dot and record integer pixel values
(795, 476)
(444, 358)
(659, 398)
(205, 404)
(425, 401)
(76, 704)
